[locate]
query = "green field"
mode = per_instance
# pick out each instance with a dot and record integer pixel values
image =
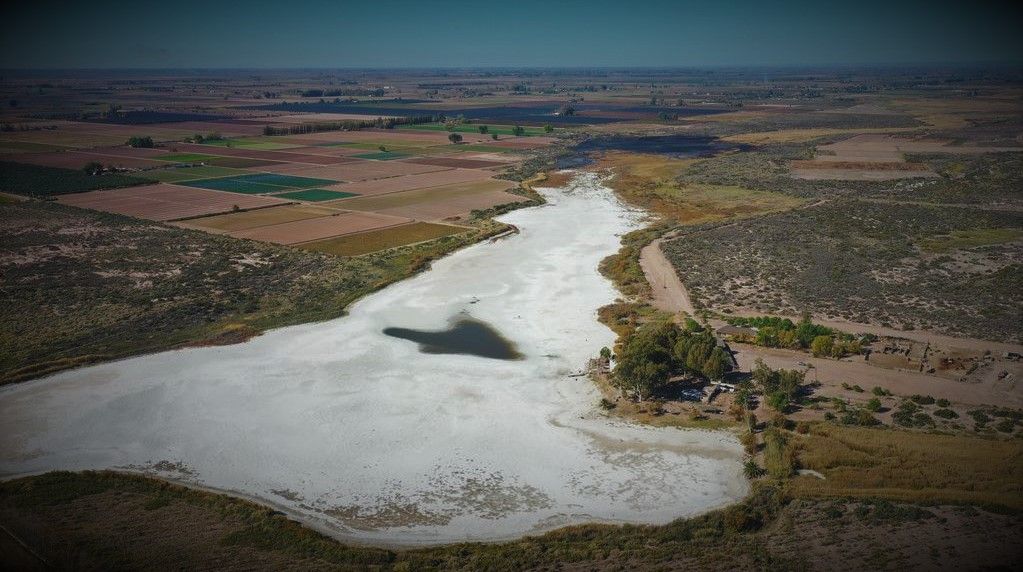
(315, 195)
(185, 158)
(375, 145)
(172, 175)
(287, 181)
(245, 143)
(474, 128)
(36, 180)
(28, 147)
(382, 156)
(376, 240)
(258, 183)
(233, 185)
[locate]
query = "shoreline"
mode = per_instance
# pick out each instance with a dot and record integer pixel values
(594, 518)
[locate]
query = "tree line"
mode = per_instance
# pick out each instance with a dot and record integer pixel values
(350, 125)
(822, 341)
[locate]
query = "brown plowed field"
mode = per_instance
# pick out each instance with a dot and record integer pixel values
(460, 163)
(436, 203)
(166, 202)
(523, 142)
(137, 152)
(360, 170)
(283, 156)
(375, 240)
(78, 159)
(410, 182)
(319, 228)
(254, 219)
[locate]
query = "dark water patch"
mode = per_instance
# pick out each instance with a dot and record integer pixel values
(677, 146)
(466, 336)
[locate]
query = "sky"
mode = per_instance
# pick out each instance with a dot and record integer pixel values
(513, 33)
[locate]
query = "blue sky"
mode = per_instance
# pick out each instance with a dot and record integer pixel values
(552, 33)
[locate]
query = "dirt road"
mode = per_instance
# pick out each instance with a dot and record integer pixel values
(669, 294)
(855, 371)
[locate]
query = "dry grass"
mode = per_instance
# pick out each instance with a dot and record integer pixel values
(909, 466)
(858, 165)
(800, 135)
(649, 181)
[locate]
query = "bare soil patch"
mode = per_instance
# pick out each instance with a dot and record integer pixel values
(165, 202)
(319, 228)
(257, 218)
(361, 170)
(409, 182)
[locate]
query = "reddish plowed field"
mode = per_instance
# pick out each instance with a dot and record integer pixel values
(361, 170)
(319, 228)
(436, 203)
(460, 163)
(165, 202)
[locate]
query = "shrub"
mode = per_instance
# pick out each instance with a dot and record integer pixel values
(880, 391)
(1005, 425)
(874, 405)
(922, 399)
(606, 404)
(942, 403)
(140, 142)
(946, 414)
(752, 470)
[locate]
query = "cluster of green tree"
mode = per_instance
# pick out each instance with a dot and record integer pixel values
(200, 138)
(347, 92)
(655, 352)
(780, 387)
(350, 125)
(142, 142)
(775, 332)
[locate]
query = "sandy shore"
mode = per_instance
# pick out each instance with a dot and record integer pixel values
(362, 435)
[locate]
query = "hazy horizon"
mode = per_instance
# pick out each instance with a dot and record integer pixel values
(399, 34)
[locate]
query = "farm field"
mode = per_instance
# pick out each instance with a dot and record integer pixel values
(881, 203)
(376, 240)
(314, 195)
(177, 174)
(256, 218)
(166, 202)
(259, 183)
(77, 159)
(416, 181)
(459, 162)
(311, 229)
(436, 203)
(361, 170)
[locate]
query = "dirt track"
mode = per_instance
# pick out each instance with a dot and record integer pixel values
(855, 371)
(668, 291)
